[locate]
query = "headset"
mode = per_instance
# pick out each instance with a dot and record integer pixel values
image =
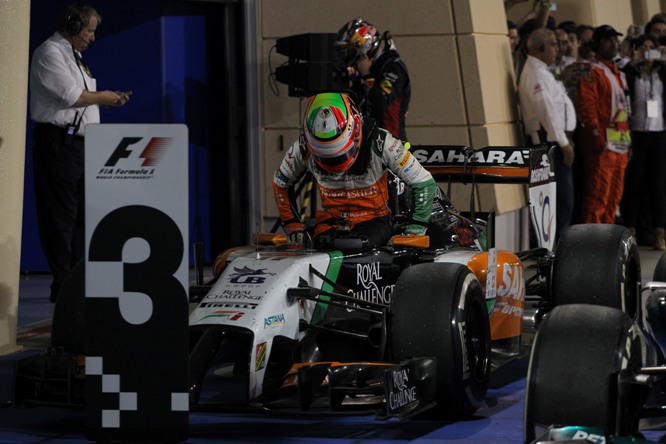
(75, 20)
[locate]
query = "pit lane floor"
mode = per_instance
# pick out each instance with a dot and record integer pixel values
(499, 420)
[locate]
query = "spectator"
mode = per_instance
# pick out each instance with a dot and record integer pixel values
(603, 109)
(646, 78)
(549, 116)
(585, 32)
(656, 28)
(562, 60)
(63, 100)
(574, 38)
(512, 32)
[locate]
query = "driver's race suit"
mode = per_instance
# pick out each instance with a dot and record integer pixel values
(361, 193)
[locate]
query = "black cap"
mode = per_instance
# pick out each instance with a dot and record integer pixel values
(604, 32)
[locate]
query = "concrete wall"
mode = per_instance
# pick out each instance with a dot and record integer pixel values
(14, 32)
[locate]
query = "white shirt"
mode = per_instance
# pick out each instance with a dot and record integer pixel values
(544, 103)
(647, 87)
(56, 83)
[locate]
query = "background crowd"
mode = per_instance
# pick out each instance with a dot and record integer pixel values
(598, 95)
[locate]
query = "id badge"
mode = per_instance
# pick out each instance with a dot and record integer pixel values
(652, 109)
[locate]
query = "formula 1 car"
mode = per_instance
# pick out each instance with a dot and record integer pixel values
(614, 365)
(411, 327)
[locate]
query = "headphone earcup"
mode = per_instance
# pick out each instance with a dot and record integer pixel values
(74, 21)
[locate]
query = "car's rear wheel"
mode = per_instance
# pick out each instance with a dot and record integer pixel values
(439, 310)
(597, 264)
(578, 354)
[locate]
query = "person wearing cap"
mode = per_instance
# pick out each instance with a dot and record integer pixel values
(549, 116)
(349, 157)
(604, 111)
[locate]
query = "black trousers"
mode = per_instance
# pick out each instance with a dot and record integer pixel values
(59, 195)
(644, 177)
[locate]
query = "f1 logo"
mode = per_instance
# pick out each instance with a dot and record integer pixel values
(151, 154)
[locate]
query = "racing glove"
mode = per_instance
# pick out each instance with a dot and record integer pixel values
(416, 229)
(295, 232)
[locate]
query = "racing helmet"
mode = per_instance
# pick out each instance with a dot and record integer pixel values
(357, 36)
(332, 131)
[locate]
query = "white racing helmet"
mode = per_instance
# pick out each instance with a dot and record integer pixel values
(332, 130)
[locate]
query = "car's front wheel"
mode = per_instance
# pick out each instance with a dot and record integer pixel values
(439, 310)
(578, 354)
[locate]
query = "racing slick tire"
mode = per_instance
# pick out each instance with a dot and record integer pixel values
(660, 269)
(439, 310)
(597, 264)
(578, 354)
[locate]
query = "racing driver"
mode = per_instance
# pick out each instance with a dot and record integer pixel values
(349, 157)
(379, 76)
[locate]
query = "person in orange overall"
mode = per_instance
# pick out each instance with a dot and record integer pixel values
(604, 110)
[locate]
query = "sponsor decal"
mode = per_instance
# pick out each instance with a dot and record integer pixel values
(260, 356)
(386, 86)
(401, 392)
(511, 291)
(274, 321)
(459, 156)
(590, 437)
(126, 162)
(367, 276)
(403, 163)
(247, 275)
(234, 295)
(577, 434)
(463, 334)
(399, 153)
(280, 179)
(542, 174)
(230, 315)
(223, 305)
(349, 194)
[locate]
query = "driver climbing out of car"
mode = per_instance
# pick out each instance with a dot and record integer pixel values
(349, 157)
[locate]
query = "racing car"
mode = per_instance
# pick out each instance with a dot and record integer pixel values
(614, 366)
(413, 327)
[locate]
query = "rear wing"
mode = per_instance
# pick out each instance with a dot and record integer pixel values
(492, 164)
(531, 165)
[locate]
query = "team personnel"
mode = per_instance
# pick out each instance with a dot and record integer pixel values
(380, 79)
(63, 100)
(549, 115)
(349, 157)
(604, 111)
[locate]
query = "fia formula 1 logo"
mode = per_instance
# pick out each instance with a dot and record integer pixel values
(125, 163)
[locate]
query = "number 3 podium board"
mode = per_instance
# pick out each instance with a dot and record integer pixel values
(136, 185)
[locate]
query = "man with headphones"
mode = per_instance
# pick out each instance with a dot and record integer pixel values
(63, 100)
(549, 116)
(604, 111)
